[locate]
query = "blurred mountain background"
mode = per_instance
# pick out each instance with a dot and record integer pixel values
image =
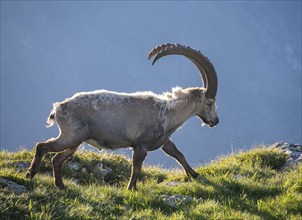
(50, 50)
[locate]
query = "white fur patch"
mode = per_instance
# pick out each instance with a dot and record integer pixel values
(177, 92)
(171, 100)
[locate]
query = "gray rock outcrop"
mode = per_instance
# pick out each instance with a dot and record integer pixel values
(17, 188)
(294, 152)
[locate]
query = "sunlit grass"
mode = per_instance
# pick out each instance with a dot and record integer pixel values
(245, 185)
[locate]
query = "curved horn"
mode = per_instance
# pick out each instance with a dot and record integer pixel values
(202, 63)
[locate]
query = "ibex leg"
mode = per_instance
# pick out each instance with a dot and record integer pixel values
(57, 163)
(170, 149)
(52, 145)
(139, 155)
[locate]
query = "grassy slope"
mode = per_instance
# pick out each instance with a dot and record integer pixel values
(246, 185)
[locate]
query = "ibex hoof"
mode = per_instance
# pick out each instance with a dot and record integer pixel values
(61, 187)
(195, 175)
(133, 188)
(30, 174)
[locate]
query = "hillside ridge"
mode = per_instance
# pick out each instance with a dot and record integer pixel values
(262, 183)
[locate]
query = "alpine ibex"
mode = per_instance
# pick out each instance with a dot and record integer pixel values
(143, 121)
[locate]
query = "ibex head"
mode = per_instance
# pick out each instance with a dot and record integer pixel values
(205, 107)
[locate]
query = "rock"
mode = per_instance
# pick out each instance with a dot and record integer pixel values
(14, 186)
(279, 145)
(106, 171)
(176, 200)
(74, 166)
(299, 159)
(294, 152)
(21, 165)
(288, 146)
(74, 180)
(289, 163)
(171, 183)
(84, 170)
(101, 171)
(299, 149)
(97, 170)
(295, 155)
(238, 176)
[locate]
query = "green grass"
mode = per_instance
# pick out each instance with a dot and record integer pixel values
(245, 185)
